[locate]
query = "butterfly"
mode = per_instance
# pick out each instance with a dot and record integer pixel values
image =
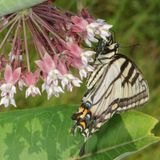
(115, 85)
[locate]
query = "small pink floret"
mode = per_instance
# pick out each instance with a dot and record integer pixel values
(31, 78)
(46, 64)
(12, 76)
(80, 24)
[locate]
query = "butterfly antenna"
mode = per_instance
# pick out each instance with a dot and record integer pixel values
(114, 36)
(134, 45)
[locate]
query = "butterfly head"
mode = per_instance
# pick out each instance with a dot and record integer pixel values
(102, 44)
(112, 48)
(107, 46)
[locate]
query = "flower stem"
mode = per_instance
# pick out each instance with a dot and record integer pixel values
(51, 15)
(49, 28)
(6, 25)
(44, 34)
(15, 35)
(7, 34)
(36, 39)
(26, 45)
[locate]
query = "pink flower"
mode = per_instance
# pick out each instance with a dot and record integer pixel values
(83, 69)
(90, 30)
(30, 80)
(85, 14)
(74, 50)
(87, 56)
(80, 24)
(8, 89)
(52, 75)
(11, 76)
(62, 67)
(81, 59)
(96, 29)
(52, 89)
(46, 64)
(62, 43)
(68, 79)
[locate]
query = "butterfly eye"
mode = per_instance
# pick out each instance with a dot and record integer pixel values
(116, 45)
(88, 105)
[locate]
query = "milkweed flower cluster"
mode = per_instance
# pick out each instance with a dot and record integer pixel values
(62, 41)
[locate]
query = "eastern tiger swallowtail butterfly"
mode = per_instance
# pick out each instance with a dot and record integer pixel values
(115, 85)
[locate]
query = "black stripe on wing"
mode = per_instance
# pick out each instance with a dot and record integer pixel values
(122, 68)
(122, 105)
(130, 72)
(94, 76)
(135, 78)
(137, 90)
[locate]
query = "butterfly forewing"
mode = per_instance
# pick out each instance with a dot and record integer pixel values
(115, 86)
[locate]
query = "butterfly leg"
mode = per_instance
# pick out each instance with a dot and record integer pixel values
(82, 150)
(73, 129)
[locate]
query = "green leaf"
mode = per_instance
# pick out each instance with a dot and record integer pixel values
(10, 6)
(44, 134)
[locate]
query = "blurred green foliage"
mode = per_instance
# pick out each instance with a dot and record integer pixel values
(136, 27)
(43, 134)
